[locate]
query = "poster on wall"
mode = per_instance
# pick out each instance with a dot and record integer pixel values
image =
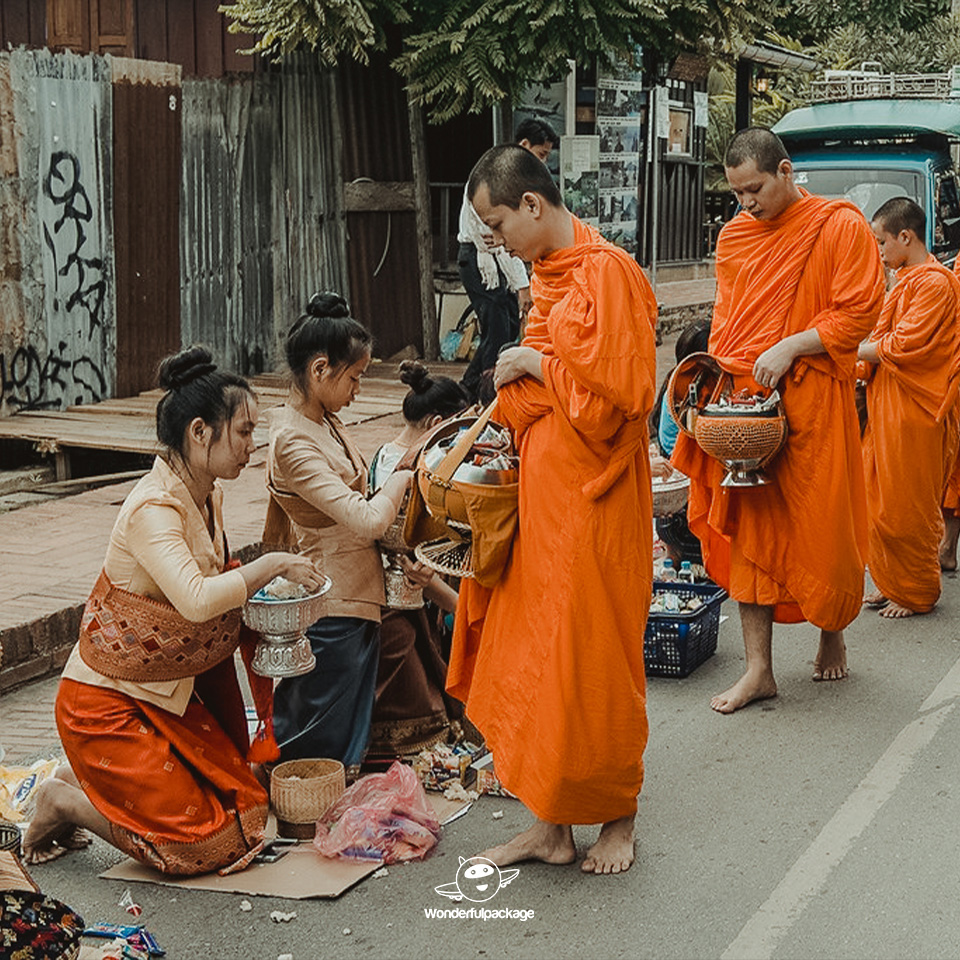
(553, 103)
(580, 177)
(621, 109)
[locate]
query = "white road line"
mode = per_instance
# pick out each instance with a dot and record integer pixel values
(807, 877)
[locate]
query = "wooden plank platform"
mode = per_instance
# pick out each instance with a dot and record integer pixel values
(127, 424)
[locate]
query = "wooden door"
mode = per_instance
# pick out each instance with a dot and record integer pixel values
(147, 106)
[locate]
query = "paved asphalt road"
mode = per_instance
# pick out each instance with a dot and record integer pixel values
(824, 823)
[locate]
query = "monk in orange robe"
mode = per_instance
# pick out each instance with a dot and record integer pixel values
(799, 285)
(950, 505)
(910, 444)
(550, 660)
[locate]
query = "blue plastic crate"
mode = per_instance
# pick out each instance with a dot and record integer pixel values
(675, 644)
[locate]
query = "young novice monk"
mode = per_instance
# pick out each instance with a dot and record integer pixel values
(911, 440)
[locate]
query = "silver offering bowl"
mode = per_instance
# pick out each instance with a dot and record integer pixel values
(670, 495)
(284, 650)
(401, 593)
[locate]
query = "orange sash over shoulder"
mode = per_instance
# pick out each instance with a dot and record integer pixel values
(799, 544)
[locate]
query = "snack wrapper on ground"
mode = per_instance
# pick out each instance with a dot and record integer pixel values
(383, 816)
(18, 787)
(442, 763)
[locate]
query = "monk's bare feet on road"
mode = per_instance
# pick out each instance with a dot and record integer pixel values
(875, 599)
(613, 851)
(750, 687)
(831, 661)
(894, 611)
(549, 842)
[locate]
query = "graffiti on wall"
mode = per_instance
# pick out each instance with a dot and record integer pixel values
(31, 381)
(83, 285)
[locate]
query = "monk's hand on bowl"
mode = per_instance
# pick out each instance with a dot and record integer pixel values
(660, 468)
(300, 569)
(416, 572)
(516, 362)
(772, 364)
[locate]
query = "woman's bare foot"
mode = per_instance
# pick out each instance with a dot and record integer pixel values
(751, 686)
(55, 829)
(895, 611)
(549, 842)
(831, 660)
(47, 836)
(613, 852)
(875, 599)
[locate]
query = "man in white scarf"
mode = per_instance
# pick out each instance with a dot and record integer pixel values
(496, 282)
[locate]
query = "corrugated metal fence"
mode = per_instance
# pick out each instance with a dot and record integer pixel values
(58, 319)
(261, 220)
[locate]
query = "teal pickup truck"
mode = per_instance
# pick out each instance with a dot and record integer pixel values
(869, 150)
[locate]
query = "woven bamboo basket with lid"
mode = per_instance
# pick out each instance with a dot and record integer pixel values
(301, 791)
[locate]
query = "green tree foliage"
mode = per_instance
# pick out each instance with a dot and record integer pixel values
(331, 27)
(464, 55)
(874, 16)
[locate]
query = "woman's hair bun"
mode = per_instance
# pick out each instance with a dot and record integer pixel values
(185, 367)
(327, 304)
(415, 375)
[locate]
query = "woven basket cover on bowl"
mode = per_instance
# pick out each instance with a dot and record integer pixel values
(741, 438)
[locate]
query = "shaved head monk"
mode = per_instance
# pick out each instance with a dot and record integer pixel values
(550, 661)
(799, 285)
(910, 444)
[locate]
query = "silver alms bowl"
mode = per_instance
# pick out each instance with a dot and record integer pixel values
(284, 650)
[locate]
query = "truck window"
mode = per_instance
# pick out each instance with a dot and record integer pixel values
(946, 231)
(867, 189)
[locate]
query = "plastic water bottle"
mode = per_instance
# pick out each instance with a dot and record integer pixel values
(686, 572)
(668, 572)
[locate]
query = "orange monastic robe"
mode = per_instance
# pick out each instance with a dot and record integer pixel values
(550, 661)
(910, 444)
(798, 544)
(950, 504)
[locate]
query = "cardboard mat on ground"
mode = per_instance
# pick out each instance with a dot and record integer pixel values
(302, 874)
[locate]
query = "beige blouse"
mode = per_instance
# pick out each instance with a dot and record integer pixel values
(322, 466)
(162, 548)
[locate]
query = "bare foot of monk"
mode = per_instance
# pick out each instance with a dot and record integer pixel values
(751, 686)
(831, 661)
(875, 599)
(948, 545)
(894, 611)
(613, 851)
(549, 842)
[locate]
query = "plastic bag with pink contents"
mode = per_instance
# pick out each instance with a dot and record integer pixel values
(383, 816)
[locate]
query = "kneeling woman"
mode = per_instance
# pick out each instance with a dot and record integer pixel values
(318, 487)
(149, 709)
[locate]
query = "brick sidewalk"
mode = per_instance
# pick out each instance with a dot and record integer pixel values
(53, 552)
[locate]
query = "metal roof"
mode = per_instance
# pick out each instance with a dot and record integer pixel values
(864, 119)
(773, 55)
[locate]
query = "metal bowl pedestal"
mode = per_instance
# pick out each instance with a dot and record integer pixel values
(284, 649)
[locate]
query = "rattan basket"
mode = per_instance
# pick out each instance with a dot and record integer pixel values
(741, 438)
(301, 791)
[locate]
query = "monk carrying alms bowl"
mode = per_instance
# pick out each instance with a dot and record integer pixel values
(742, 429)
